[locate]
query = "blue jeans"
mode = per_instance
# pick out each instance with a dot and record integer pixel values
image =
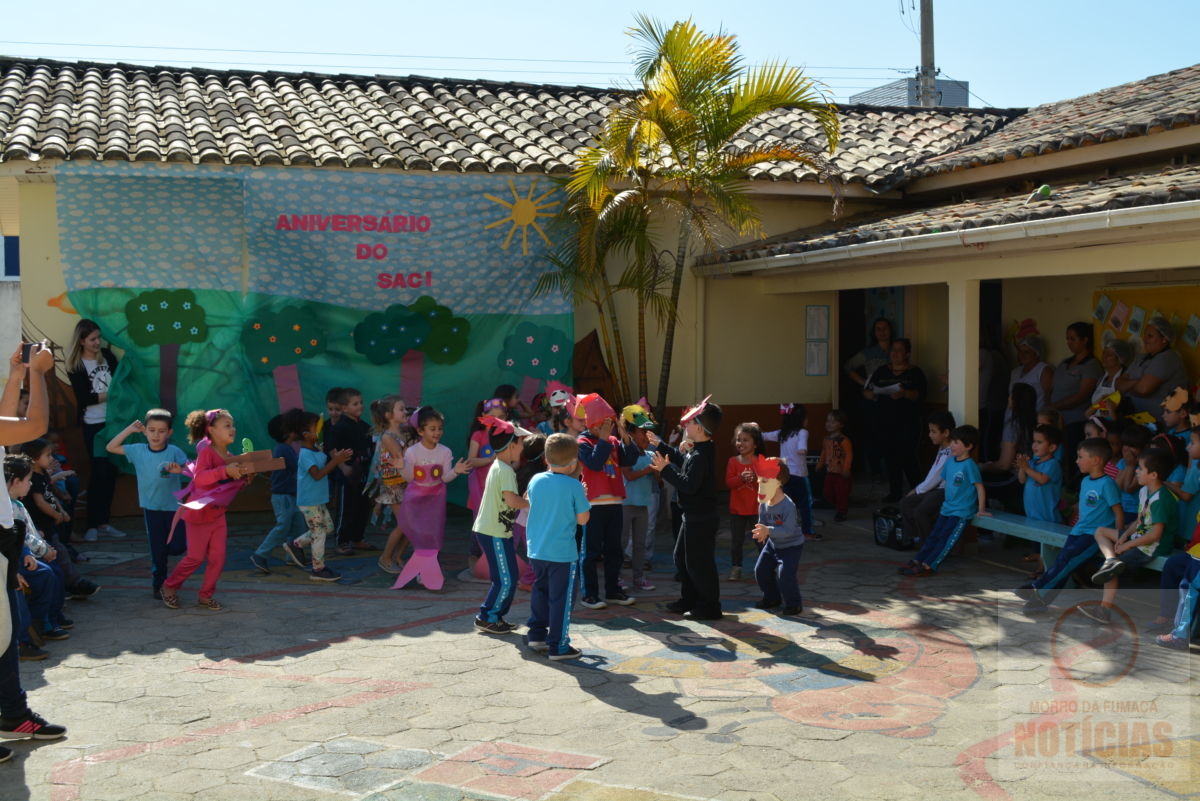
(501, 556)
(12, 697)
(45, 599)
(775, 572)
(550, 603)
(289, 524)
(158, 530)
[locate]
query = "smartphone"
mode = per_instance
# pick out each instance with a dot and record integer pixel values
(27, 351)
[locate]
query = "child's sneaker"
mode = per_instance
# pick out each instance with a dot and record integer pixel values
(56, 633)
(620, 598)
(30, 726)
(641, 585)
(260, 564)
(1108, 571)
(5, 754)
(765, 604)
(295, 554)
(1100, 614)
(91, 535)
(592, 603)
(735, 574)
(81, 589)
(791, 610)
(499, 627)
(109, 531)
(570, 653)
(538, 646)
(1036, 607)
(28, 652)
(324, 574)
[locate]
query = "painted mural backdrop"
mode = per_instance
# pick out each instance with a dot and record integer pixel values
(258, 290)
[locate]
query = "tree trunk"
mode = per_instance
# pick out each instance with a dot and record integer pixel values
(168, 375)
(412, 374)
(618, 345)
(529, 388)
(287, 387)
(664, 377)
(643, 370)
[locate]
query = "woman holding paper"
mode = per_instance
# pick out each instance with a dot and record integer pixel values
(1157, 372)
(897, 392)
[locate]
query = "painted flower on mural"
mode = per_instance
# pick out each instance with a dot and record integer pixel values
(538, 352)
(168, 319)
(276, 342)
(409, 335)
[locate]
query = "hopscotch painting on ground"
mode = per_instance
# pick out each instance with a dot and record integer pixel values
(258, 289)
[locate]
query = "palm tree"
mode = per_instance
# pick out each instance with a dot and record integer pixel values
(671, 147)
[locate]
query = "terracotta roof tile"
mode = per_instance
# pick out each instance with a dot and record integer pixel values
(1151, 105)
(122, 112)
(1122, 191)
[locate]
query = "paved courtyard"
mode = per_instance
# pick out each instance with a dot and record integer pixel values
(885, 688)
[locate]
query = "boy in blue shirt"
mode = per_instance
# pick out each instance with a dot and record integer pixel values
(965, 498)
(158, 465)
(639, 492)
(557, 505)
(1099, 506)
(1042, 476)
(313, 467)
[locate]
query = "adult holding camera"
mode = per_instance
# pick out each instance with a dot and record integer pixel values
(90, 368)
(17, 720)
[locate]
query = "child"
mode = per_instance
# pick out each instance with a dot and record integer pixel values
(391, 416)
(837, 456)
(1175, 417)
(557, 505)
(515, 409)
(919, 508)
(693, 475)
(428, 467)
(639, 480)
(1134, 439)
(1151, 535)
(313, 467)
(1189, 489)
(533, 461)
(781, 539)
(1042, 476)
(792, 437)
(68, 486)
(964, 499)
(215, 483)
(743, 491)
(158, 465)
(602, 456)
(1099, 505)
(479, 453)
(49, 517)
(45, 583)
(333, 406)
(351, 433)
(286, 430)
(494, 525)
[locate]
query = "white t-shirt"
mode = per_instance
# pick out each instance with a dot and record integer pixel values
(794, 450)
(100, 377)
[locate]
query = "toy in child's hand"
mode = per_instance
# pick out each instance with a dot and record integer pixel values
(256, 461)
(247, 445)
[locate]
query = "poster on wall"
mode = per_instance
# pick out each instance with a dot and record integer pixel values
(260, 289)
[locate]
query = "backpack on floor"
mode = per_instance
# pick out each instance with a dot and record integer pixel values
(889, 529)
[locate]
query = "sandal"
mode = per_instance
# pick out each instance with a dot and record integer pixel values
(210, 603)
(170, 600)
(1172, 642)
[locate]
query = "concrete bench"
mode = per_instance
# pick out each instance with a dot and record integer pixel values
(1052, 536)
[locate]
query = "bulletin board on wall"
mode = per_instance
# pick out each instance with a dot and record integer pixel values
(1122, 312)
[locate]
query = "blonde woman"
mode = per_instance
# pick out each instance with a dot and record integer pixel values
(90, 367)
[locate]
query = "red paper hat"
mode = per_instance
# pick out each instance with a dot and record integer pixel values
(594, 410)
(494, 426)
(695, 411)
(766, 467)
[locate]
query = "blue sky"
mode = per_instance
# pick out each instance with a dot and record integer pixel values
(1014, 53)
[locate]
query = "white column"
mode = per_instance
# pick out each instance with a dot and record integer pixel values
(963, 358)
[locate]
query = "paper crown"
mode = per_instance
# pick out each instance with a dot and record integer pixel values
(1176, 400)
(695, 411)
(493, 403)
(636, 416)
(593, 409)
(766, 467)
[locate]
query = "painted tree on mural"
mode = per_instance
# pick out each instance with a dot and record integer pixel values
(411, 334)
(168, 318)
(537, 352)
(276, 343)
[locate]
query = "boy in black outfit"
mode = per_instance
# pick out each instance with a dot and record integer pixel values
(351, 432)
(693, 474)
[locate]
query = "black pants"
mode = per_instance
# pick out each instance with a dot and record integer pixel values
(353, 510)
(602, 537)
(696, 563)
(103, 479)
(900, 442)
(919, 513)
(12, 696)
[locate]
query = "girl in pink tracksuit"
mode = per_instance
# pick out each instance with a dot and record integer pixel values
(215, 483)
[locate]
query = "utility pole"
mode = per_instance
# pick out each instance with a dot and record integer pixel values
(926, 75)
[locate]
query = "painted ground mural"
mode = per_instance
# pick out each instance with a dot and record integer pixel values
(257, 290)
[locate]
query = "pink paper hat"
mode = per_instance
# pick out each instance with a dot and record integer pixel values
(594, 410)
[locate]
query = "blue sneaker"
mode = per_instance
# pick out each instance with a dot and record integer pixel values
(260, 564)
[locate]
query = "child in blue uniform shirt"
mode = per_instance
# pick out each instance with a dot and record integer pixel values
(158, 465)
(965, 498)
(1042, 475)
(1099, 507)
(557, 505)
